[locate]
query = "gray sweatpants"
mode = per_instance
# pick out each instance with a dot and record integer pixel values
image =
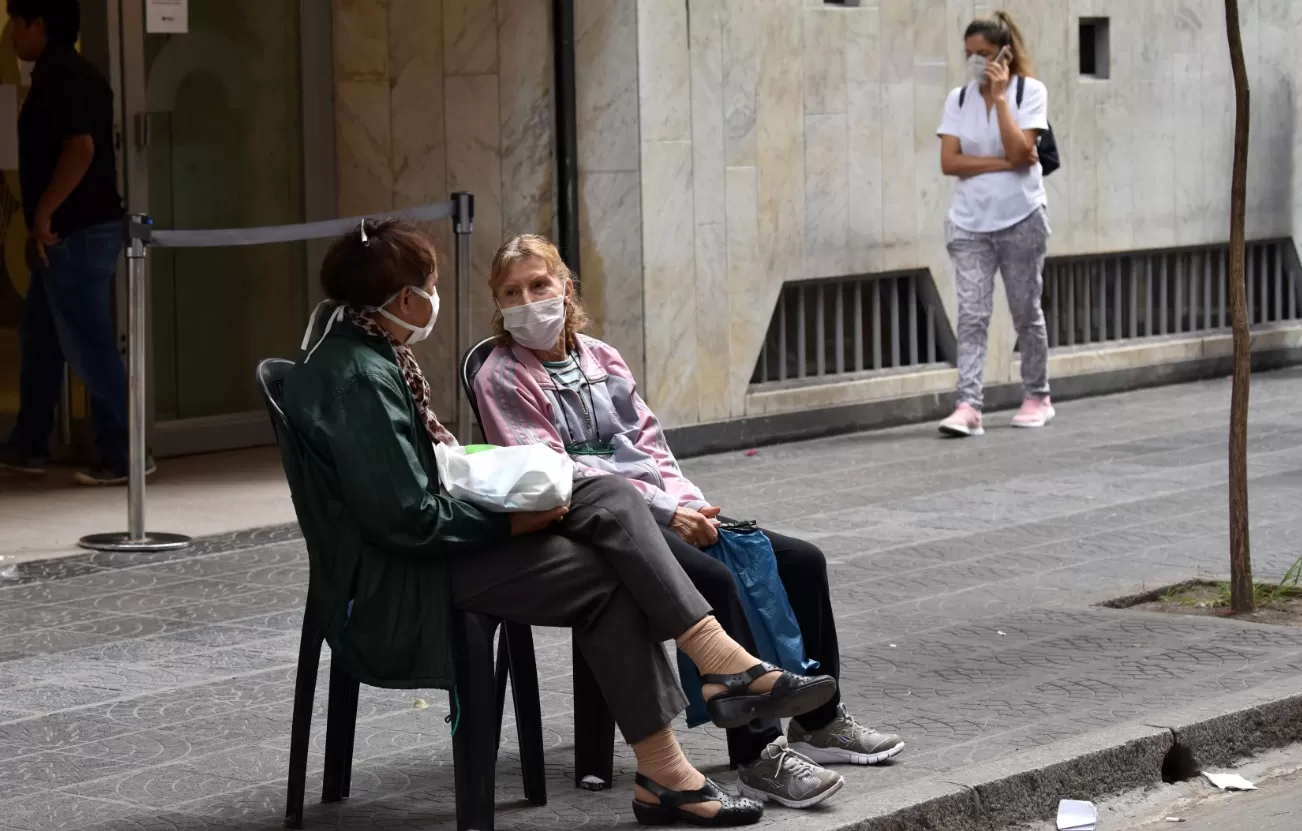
(1017, 253)
(605, 572)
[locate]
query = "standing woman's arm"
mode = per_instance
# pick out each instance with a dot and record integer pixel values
(1019, 144)
(952, 160)
(954, 163)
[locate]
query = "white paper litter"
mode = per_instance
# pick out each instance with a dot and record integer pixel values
(1075, 815)
(1229, 781)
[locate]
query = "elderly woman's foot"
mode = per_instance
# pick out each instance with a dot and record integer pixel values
(742, 698)
(669, 790)
(700, 802)
(738, 688)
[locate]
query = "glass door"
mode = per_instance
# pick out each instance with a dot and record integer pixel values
(215, 117)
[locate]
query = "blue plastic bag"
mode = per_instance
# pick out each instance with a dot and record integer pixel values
(749, 556)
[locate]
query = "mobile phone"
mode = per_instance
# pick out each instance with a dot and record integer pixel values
(1005, 55)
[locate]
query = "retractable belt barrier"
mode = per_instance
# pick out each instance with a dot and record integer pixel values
(139, 236)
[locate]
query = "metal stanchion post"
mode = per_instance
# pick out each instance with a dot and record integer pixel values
(463, 225)
(138, 228)
(65, 408)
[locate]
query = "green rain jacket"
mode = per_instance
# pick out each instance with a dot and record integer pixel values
(379, 533)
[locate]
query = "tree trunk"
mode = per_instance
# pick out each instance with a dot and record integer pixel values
(1241, 595)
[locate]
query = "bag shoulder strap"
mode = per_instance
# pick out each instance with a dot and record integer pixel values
(1021, 90)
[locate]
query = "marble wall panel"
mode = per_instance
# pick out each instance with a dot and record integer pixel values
(606, 94)
(663, 55)
(742, 41)
(528, 116)
(670, 299)
(708, 126)
(470, 44)
(826, 32)
(475, 165)
(610, 243)
(827, 179)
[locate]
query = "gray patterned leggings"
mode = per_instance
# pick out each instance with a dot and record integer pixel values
(1017, 253)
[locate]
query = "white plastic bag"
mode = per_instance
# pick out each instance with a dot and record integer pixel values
(528, 477)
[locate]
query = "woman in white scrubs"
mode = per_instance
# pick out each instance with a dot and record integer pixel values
(998, 221)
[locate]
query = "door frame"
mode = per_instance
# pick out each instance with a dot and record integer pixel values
(229, 431)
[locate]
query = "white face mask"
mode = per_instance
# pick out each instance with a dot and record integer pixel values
(536, 325)
(418, 333)
(976, 69)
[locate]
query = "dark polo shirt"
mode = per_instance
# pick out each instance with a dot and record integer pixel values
(68, 98)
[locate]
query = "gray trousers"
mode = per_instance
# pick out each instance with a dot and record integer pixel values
(1017, 253)
(605, 572)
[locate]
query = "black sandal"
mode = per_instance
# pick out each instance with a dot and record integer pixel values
(793, 695)
(733, 810)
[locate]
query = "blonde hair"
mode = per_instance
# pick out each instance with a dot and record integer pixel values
(534, 246)
(1001, 30)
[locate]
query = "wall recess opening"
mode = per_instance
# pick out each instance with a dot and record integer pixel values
(1094, 52)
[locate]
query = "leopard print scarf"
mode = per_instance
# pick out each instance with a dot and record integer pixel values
(411, 374)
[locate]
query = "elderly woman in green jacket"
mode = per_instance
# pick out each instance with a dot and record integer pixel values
(393, 556)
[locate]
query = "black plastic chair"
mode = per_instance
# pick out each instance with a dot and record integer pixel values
(478, 733)
(594, 726)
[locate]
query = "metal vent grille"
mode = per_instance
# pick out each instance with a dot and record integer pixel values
(1152, 294)
(832, 328)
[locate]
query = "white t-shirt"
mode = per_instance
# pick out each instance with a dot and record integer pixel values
(995, 201)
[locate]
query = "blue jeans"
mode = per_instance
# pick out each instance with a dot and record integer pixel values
(69, 317)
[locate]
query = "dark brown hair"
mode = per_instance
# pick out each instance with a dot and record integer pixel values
(366, 267)
(1000, 30)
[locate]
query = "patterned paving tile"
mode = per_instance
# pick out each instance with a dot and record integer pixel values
(154, 693)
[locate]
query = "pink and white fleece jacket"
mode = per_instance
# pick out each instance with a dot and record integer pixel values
(521, 403)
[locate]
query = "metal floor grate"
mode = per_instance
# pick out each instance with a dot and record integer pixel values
(830, 328)
(1158, 293)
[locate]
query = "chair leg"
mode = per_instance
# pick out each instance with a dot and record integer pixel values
(501, 671)
(341, 720)
(349, 723)
(474, 754)
(300, 734)
(528, 711)
(594, 730)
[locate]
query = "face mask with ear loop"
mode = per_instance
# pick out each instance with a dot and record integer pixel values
(418, 333)
(536, 325)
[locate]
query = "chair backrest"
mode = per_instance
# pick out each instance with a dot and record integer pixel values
(271, 374)
(471, 363)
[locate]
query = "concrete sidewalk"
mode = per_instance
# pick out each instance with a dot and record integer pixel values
(198, 495)
(966, 573)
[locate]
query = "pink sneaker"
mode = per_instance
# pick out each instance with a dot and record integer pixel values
(966, 421)
(1035, 412)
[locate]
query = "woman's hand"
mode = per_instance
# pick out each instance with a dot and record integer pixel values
(998, 75)
(698, 528)
(527, 522)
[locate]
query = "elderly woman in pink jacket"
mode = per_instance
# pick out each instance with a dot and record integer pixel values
(547, 382)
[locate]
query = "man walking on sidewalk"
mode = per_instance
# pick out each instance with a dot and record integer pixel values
(74, 216)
